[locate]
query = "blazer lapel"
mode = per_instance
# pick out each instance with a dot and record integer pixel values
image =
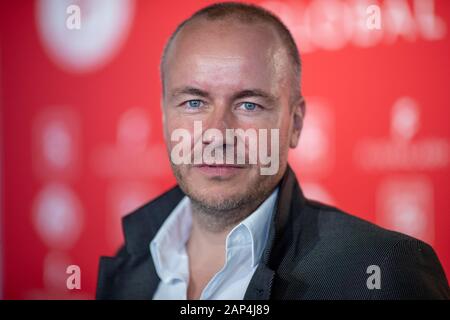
(289, 201)
(131, 274)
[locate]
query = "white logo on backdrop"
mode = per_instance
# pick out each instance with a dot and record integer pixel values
(134, 154)
(103, 27)
(403, 150)
(405, 204)
(405, 119)
(332, 25)
(58, 216)
(56, 143)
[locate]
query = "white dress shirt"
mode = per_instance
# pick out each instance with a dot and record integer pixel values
(244, 246)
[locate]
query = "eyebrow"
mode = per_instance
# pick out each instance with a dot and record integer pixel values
(248, 93)
(255, 93)
(191, 91)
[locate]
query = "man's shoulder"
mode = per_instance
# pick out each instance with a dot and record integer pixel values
(336, 223)
(345, 232)
(342, 248)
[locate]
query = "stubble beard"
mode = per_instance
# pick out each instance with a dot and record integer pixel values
(221, 213)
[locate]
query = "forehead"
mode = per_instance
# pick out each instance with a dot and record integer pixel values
(226, 54)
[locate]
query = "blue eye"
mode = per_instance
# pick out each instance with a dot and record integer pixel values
(194, 104)
(249, 106)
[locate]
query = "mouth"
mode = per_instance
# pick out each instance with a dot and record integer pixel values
(219, 170)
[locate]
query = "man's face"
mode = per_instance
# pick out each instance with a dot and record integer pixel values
(228, 75)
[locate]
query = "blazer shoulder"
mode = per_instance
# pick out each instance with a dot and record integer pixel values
(409, 267)
(334, 222)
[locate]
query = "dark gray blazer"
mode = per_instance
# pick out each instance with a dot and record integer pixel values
(314, 251)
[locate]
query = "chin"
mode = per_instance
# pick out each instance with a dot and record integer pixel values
(217, 192)
(224, 201)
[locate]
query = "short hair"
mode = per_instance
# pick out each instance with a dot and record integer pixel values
(245, 13)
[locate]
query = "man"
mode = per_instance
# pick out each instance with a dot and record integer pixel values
(228, 231)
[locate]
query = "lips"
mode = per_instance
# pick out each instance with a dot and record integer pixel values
(221, 170)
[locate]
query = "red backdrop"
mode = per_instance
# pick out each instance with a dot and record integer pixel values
(81, 135)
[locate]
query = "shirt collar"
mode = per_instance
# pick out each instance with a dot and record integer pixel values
(257, 226)
(168, 245)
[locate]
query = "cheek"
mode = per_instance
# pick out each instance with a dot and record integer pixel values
(178, 123)
(175, 121)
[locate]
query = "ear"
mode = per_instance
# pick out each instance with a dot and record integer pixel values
(297, 121)
(163, 118)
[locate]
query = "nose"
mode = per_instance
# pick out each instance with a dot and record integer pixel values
(221, 118)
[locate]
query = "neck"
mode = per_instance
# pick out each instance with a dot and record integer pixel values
(212, 228)
(216, 221)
